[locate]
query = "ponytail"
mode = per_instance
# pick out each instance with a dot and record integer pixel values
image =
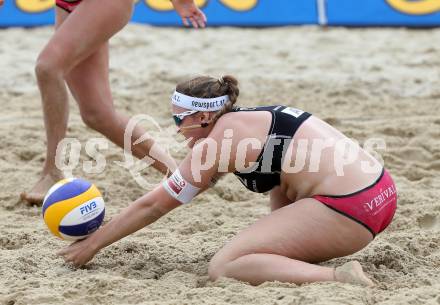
(229, 86)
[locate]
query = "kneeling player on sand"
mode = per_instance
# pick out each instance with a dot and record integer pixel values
(319, 212)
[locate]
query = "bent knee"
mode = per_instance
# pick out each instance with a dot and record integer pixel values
(98, 120)
(47, 67)
(93, 119)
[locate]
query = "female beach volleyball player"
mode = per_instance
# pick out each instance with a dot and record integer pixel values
(318, 212)
(78, 54)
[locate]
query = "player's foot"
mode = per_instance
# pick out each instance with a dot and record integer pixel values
(352, 272)
(36, 195)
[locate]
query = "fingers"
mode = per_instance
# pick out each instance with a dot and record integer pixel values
(69, 255)
(70, 258)
(200, 22)
(185, 21)
(68, 249)
(202, 19)
(197, 19)
(193, 22)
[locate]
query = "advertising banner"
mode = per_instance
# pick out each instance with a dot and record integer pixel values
(160, 12)
(415, 13)
(253, 12)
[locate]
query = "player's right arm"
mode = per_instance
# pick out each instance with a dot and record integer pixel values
(185, 183)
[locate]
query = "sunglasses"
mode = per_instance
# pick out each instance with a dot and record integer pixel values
(178, 117)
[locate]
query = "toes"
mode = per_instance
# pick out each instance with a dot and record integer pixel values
(360, 272)
(352, 272)
(369, 282)
(31, 199)
(23, 196)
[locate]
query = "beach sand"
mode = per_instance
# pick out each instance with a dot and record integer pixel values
(369, 83)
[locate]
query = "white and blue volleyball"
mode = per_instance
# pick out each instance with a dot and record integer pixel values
(73, 208)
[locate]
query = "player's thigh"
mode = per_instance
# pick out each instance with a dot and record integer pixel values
(60, 16)
(89, 82)
(306, 230)
(82, 32)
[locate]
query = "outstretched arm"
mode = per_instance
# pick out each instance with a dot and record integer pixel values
(139, 214)
(145, 210)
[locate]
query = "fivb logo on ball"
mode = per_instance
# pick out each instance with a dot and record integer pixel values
(88, 208)
(73, 208)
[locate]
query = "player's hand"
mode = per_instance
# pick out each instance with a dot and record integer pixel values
(79, 253)
(1, 2)
(189, 13)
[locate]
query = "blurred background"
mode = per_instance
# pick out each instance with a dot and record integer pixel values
(418, 13)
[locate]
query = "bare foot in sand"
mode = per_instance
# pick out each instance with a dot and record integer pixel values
(352, 272)
(36, 195)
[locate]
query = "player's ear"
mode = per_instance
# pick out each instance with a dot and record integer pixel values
(205, 117)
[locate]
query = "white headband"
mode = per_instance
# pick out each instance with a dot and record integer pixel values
(199, 104)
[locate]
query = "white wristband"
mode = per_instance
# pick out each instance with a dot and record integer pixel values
(179, 188)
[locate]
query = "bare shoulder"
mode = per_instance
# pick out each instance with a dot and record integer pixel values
(227, 123)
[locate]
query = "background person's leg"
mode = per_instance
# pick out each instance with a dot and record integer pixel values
(283, 245)
(55, 122)
(78, 35)
(90, 86)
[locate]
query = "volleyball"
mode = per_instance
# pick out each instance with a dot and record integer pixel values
(73, 208)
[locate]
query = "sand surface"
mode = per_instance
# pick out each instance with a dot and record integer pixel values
(368, 83)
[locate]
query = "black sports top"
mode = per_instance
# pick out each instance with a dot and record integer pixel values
(265, 174)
